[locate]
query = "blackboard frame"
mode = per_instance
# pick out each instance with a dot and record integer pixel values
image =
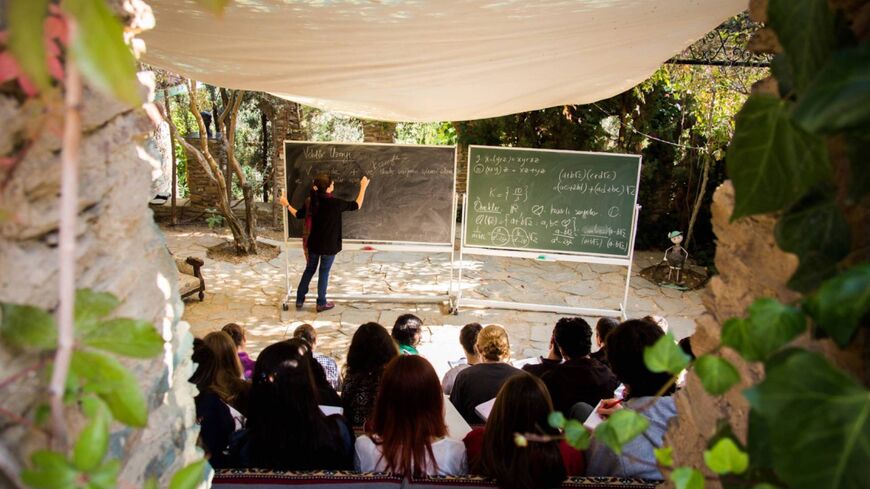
(469, 174)
(547, 255)
(386, 245)
(377, 246)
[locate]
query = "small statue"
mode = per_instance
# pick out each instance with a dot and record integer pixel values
(676, 256)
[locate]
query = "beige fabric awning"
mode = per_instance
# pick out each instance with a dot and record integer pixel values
(429, 60)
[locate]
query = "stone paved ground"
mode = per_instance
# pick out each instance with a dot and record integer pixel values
(251, 295)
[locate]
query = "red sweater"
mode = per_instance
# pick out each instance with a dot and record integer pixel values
(572, 459)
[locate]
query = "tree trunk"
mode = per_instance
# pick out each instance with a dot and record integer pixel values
(699, 199)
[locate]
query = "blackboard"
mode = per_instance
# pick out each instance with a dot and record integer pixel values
(409, 199)
(551, 201)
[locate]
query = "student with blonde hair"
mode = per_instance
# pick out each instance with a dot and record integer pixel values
(481, 382)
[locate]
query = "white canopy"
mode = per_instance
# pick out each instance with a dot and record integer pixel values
(429, 60)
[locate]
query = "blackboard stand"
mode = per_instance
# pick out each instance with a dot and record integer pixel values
(622, 309)
(374, 247)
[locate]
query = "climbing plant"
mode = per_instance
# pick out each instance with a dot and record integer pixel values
(798, 151)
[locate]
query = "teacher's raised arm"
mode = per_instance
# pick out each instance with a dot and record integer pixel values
(284, 202)
(363, 185)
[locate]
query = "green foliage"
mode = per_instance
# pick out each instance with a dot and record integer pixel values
(128, 337)
(556, 420)
(90, 307)
(687, 478)
(99, 51)
(665, 356)
(577, 435)
(214, 219)
(620, 428)
(771, 161)
(726, 458)
(25, 21)
(841, 303)
(50, 470)
(716, 374)
(806, 403)
(769, 327)
(27, 327)
(93, 441)
(839, 98)
(189, 477)
(815, 229)
(664, 456)
(114, 384)
(806, 30)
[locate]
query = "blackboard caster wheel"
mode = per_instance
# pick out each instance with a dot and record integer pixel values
(285, 307)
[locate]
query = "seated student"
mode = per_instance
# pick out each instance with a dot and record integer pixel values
(325, 395)
(237, 333)
(406, 332)
(553, 358)
(286, 429)
(579, 378)
(307, 333)
(603, 328)
(217, 421)
(227, 381)
(407, 434)
(480, 383)
(467, 338)
(625, 347)
(522, 406)
(371, 348)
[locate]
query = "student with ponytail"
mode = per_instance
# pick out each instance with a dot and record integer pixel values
(323, 211)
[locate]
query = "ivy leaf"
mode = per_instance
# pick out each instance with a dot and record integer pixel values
(50, 471)
(806, 29)
(556, 420)
(664, 456)
(840, 303)
(716, 374)
(28, 327)
(150, 483)
(726, 458)
(93, 441)
(26, 24)
(806, 402)
(114, 384)
(839, 98)
(92, 306)
(665, 356)
(106, 476)
(577, 435)
(99, 51)
(770, 161)
(857, 143)
(687, 478)
(620, 428)
(770, 326)
(129, 337)
(189, 477)
(815, 229)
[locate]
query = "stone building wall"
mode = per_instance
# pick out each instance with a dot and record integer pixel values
(286, 119)
(203, 192)
(378, 131)
(119, 250)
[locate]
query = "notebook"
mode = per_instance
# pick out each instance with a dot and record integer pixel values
(484, 409)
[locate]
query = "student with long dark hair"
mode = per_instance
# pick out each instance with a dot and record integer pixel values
(371, 348)
(522, 406)
(408, 435)
(286, 429)
(215, 418)
(227, 379)
(324, 241)
(625, 347)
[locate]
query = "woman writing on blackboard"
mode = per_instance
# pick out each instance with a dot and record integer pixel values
(324, 241)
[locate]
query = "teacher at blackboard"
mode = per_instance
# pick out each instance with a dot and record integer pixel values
(324, 242)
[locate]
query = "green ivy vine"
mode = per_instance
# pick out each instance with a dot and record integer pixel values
(98, 384)
(809, 422)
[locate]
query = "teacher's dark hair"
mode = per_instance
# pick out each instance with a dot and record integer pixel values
(321, 182)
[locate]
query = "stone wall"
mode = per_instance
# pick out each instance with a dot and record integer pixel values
(119, 250)
(378, 131)
(286, 118)
(203, 192)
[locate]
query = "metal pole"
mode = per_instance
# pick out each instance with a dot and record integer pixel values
(461, 247)
(624, 305)
(172, 220)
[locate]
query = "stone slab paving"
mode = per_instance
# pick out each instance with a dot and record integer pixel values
(251, 295)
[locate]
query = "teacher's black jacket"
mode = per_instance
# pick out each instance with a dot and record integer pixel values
(325, 237)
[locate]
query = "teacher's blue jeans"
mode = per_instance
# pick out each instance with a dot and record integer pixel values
(325, 262)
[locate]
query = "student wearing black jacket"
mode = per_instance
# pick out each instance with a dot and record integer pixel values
(324, 213)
